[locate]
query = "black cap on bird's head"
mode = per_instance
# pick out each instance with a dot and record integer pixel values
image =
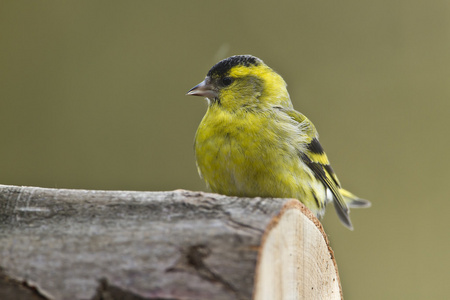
(223, 66)
(220, 70)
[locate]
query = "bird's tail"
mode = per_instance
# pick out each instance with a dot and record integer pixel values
(354, 201)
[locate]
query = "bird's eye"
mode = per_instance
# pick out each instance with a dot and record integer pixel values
(226, 81)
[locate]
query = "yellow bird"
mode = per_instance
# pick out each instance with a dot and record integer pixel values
(252, 143)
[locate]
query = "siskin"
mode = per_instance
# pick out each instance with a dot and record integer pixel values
(252, 143)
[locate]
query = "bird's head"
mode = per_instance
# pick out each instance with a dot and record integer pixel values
(243, 82)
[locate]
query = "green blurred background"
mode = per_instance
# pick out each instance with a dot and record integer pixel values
(92, 96)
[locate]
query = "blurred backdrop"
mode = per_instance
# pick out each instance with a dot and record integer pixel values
(92, 96)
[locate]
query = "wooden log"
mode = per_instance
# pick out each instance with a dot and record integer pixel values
(86, 244)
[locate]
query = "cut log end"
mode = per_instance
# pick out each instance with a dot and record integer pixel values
(295, 260)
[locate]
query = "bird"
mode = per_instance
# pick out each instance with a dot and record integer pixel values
(252, 143)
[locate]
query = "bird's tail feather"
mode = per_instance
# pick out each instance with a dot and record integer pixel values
(354, 201)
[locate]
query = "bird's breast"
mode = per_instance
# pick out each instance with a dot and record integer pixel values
(249, 155)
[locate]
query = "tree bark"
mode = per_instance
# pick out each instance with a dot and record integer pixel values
(86, 244)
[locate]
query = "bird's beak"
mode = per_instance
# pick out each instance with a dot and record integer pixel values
(203, 89)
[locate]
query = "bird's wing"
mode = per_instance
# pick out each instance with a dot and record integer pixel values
(315, 158)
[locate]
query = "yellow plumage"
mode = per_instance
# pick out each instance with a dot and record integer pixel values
(252, 143)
